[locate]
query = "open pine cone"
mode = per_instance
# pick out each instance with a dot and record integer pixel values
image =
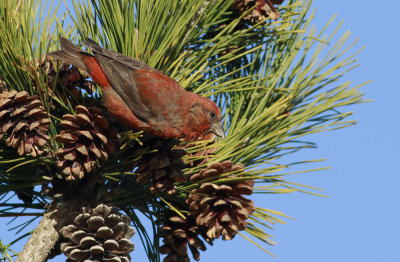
(69, 76)
(99, 234)
(163, 167)
(261, 12)
(24, 120)
(221, 208)
(88, 137)
(179, 234)
(3, 86)
(203, 154)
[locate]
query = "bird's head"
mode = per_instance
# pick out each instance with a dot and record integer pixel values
(211, 115)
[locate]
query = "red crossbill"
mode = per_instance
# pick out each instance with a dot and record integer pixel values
(142, 98)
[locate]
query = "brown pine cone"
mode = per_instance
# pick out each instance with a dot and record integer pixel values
(202, 155)
(50, 67)
(161, 168)
(24, 121)
(3, 86)
(88, 138)
(69, 77)
(221, 208)
(180, 233)
(98, 234)
(261, 12)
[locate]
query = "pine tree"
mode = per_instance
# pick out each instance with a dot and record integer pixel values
(63, 159)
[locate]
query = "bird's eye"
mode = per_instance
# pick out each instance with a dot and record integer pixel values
(212, 114)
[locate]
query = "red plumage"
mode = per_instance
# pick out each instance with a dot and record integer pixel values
(142, 98)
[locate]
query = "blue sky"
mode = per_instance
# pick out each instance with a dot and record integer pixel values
(360, 219)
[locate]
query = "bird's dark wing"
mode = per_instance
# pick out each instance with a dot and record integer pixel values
(129, 61)
(120, 70)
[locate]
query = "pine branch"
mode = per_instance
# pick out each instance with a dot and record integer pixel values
(20, 214)
(46, 233)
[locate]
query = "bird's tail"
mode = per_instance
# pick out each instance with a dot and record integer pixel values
(71, 54)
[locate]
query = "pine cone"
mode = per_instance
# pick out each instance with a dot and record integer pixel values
(70, 76)
(163, 167)
(180, 233)
(202, 155)
(24, 120)
(3, 86)
(264, 9)
(99, 234)
(87, 137)
(221, 208)
(63, 80)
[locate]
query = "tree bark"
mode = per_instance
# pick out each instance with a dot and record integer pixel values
(46, 234)
(40, 245)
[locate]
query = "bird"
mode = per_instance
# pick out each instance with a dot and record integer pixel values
(143, 98)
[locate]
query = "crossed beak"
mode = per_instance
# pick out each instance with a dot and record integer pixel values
(217, 129)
